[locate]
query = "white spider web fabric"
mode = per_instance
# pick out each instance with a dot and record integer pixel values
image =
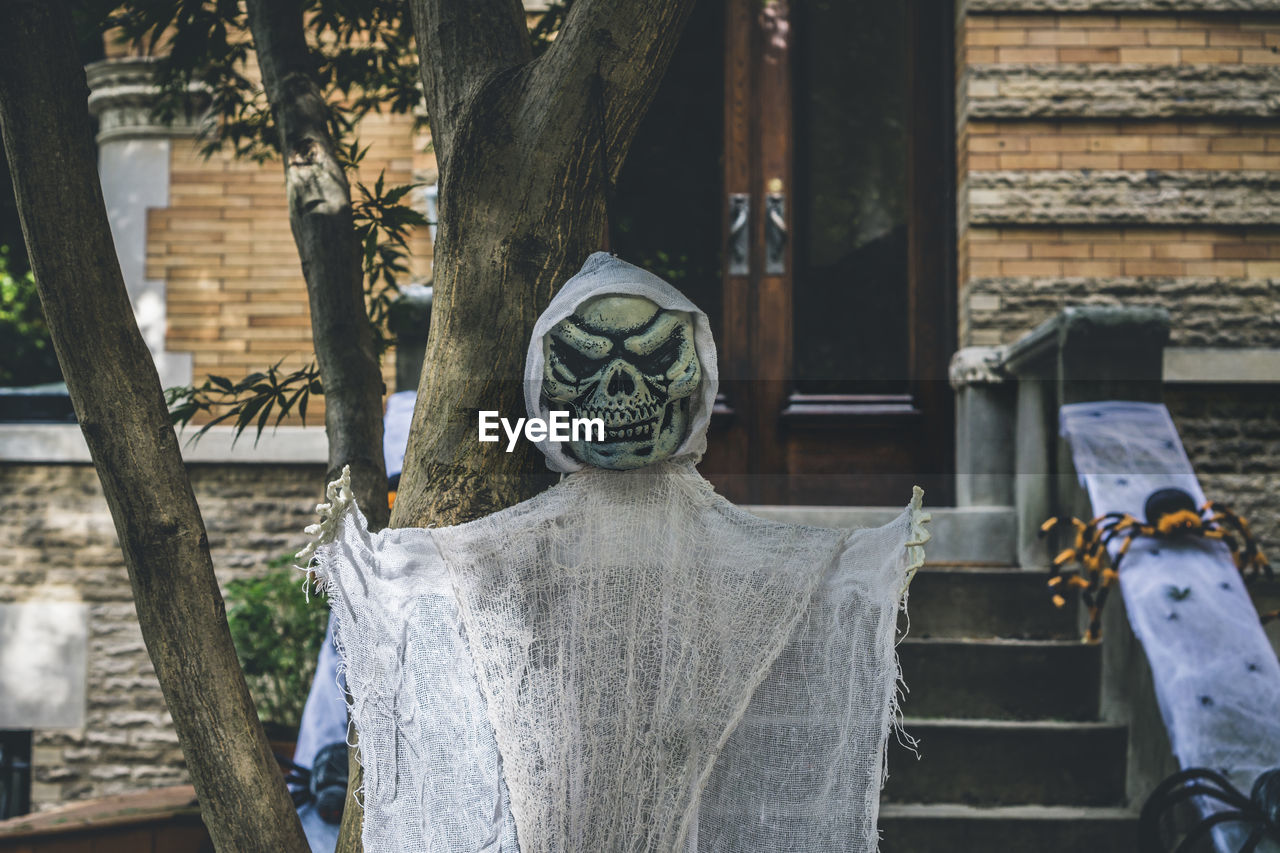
(1217, 679)
(626, 662)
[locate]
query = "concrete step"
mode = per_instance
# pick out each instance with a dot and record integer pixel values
(1001, 679)
(995, 762)
(987, 602)
(961, 535)
(948, 828)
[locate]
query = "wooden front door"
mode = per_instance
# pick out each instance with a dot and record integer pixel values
(827, 189)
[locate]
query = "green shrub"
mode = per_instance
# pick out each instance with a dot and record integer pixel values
(277, 634)
(26, 350)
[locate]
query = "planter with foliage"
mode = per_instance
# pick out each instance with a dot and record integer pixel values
(278, 635)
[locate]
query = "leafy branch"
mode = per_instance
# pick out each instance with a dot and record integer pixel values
(363, 54)
(250, 401)
(383, 224)
(364, 59)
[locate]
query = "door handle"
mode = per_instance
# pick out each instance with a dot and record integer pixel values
(775, 234)
(739, 234)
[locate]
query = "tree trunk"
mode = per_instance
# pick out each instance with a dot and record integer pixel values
(320, 214)
(528, 151)
(117, 398)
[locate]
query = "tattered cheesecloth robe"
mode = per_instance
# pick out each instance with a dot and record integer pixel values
(626, 662)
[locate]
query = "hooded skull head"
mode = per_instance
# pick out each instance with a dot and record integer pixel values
(624, 361)
(621, 345)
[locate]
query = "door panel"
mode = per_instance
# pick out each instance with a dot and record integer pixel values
(850, 123)
(834, 153)
(850, 136)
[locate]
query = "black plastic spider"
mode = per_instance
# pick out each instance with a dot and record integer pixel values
(1260, 811)
(1171, 513)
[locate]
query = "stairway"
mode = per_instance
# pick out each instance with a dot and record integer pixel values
(1003, 700)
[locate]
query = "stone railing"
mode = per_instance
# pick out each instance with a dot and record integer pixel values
(1009, 452)
(1007, 400)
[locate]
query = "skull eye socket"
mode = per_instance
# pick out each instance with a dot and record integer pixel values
(572, 362)
(657, 362)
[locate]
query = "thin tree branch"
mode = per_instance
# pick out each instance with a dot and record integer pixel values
(117, 398)
(320, 214)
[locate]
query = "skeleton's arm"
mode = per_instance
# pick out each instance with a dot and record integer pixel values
(326, 529)
(918, 536)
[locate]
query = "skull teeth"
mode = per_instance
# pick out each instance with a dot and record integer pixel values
(633, 432)
(622, 418)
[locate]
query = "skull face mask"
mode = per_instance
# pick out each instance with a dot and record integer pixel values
(624, 360)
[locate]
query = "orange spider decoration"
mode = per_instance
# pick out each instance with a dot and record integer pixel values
(1171, 513)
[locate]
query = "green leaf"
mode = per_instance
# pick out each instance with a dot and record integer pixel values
(262, 418)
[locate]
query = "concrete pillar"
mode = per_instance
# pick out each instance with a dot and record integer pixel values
(984, 428)
(1080, 355)
(133, 165)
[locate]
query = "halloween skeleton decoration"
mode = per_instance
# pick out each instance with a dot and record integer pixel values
(624, 360)
(626, 661)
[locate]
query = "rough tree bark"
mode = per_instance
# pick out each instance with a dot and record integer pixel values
(527, 150)
(320, 214)
(121, 409)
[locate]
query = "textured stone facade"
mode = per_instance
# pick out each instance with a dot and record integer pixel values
(1205, 312)
(1232, 435)
(1124, 152)
(1151, 197)
(1085, 90)
(59, 540)
(1138, 6)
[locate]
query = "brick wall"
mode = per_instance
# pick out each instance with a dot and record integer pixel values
(1133, 188)
(1131, 158)
(59, 535)
(235, 295)
(1137, 38)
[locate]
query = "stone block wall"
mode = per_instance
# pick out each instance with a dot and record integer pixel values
(1126, 152)
(60, 543)
(1232, 435)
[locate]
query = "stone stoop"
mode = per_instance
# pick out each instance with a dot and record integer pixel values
(1004, 702)
(1003, 699)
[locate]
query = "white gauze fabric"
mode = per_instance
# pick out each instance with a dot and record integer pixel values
(624, 662)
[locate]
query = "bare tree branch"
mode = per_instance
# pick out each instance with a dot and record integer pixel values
(521, 206)
(320, 213)
(117, 398)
